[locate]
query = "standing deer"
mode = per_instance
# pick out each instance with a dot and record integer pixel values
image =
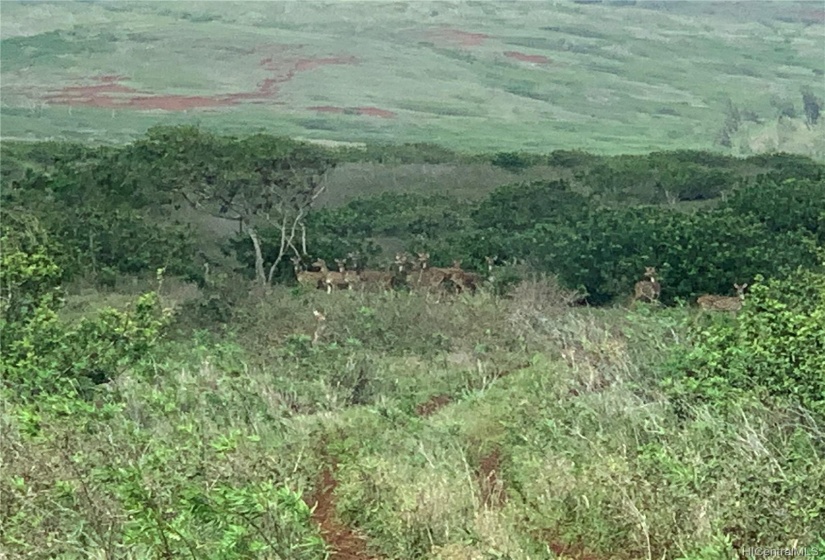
(649, 289)
(491, 263)
(382, 279)
(331, 278)
(350, 277)
(431, 277)
(307, 278)
(723, 303)
(464, 279)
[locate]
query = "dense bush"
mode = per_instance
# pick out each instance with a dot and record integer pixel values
(783, 206)
(655, 179)
(781, 166)
(110, 208)
(43, 354)
(774, 348)
(105, 224)
(519, 207)
(400, 154)
(393, 214)
(515, 161)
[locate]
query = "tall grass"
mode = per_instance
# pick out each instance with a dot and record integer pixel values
(547, 436)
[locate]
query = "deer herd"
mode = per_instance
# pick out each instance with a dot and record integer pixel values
(417, 273)
(650, 289)
(405, 269)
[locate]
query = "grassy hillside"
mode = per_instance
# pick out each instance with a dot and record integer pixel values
(156, 403)
(610, 77)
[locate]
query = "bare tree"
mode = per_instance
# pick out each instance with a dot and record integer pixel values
(262, 182)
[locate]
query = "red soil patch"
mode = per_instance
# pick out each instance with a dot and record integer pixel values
(463, 38)
(489, 480)
(345, 543)
(534, 58)
(433, 405)
(369, 111)
(110, 94)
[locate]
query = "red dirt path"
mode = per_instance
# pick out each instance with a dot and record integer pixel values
(534, 58)
(345, 543)
(489, 480)
(108, 93)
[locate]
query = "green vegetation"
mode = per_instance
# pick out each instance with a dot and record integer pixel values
(169, 392)
(606, 77)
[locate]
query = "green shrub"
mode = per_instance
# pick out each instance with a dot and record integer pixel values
(41, 353)
(519, 207)
(514, 161)
(605, 252)
(783, 206)
(655, 179)
(782, 165)
(774, 348)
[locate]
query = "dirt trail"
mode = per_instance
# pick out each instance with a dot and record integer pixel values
(490, 482)
(345, 543)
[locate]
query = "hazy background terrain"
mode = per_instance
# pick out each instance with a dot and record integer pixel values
(610, 77)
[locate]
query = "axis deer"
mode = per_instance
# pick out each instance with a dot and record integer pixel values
(306, 278)
(649, 289)
(320, 324)
(491, 263)
(464, 279)
(366, 277)
(710, 302)
(331, 278)
(350, 276)
(431, 277)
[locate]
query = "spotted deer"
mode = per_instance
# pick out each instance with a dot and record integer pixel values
(429, 277)
(374, 278)
(350, 277)
(710, 302)
(464, 279)
(649, 289)
(307, 278)
(331, 278)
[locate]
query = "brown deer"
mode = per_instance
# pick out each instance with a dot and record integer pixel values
(710, 302)
(306, 278)
(464, 279)
(350, 276)
(649, 289)
(331, 278)
(382, 279)
(430, 277)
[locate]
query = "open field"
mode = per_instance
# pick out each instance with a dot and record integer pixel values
(614, 77)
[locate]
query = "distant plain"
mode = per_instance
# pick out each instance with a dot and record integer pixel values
(610, 77)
